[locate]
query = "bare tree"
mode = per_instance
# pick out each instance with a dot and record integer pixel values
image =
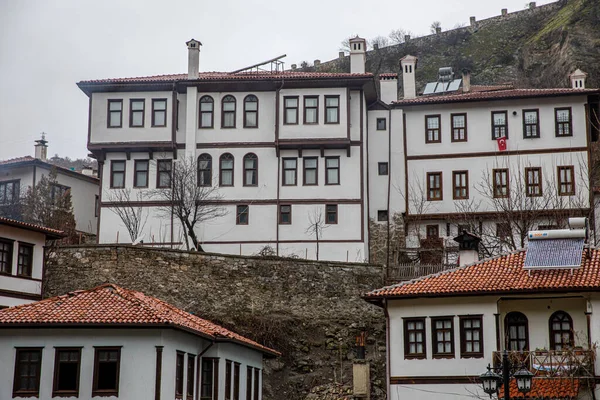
(434, 26)
(379, 41)
(189, 202)
(131, 212)
(397, 36)
(316, 226)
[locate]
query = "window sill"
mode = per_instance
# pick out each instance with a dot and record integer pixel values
(65, 393)
(530, 137)
(475, 355)
(415, 357)
(105, 393)
(442, 356)
(26, 394)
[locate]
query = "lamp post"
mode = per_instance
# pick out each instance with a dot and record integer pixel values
(491, 381)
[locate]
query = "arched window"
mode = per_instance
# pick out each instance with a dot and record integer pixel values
(250, 170)
(228, 112)
(516, 331)
(226, 170)
(207, 112)
(205, 170)
(561, 331)
(251, 111)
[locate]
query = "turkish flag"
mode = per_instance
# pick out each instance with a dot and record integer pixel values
(501, 143)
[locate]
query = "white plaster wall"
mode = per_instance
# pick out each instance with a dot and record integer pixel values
(102, 134)
(388, 90)
(378, 152)
(181, 118)
(24, 174)
(354, 111)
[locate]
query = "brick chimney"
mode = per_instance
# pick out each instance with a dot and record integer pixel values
(409, 86)
(358, 48)
(41, 148)
(193, 58)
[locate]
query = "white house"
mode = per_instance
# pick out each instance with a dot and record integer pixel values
(22, 261)
(18, 174)
(114, 343)
(541, 305)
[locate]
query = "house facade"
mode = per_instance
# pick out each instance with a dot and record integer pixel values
(22, 261)
(145, 349)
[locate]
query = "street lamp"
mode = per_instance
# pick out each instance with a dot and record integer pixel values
(491, 381)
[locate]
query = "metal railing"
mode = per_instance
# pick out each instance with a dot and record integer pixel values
(405, 272)
(572, 362)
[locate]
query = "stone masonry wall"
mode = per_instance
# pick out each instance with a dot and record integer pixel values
(310, 311)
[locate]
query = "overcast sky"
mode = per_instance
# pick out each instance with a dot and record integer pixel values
(48, 46)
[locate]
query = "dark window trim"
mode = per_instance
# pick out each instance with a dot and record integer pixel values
(434, 341)
(452, 128)
(495, 183)
(381, 217)
(285, 108)
(412, 356)
(280, 214)
(384, 124)
(223, 111)
(228, 379)
(244, 169)
(65, 393)
(570, 168)
(339, 167)
(283, 169)
(29, 265)
(463, 338)
(11, 253)
(131, 101)
(112, 171)
(191, 374)
(454, 187)
(529, 185)
(221, 169)
(441, 188)
(245, 111)
(249, 373)
(537, 123)
(387, 168)
(210, 169)
(257, 386)
(16, 195)
(214, 379)
(27, 393)
(569, 123)
(154, 110)
(336, 214)
(160, 162)
(108, 125)
(135, 173)
(179, 374)
(337, 107)
(507, 326)
(432, 228)
(304, 171)
(236, 380)
(553, 331)
(212, 113)
(505, 112)
(95, 390)
(439, 129)
(238, 213)
(304, 108)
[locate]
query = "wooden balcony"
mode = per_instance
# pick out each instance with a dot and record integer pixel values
(552, 363)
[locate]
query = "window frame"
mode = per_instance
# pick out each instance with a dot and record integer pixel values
(16, 379)
(305, 107)
(440, 189)
(223, 111)
(190, 376)
(508, 324)
(16, 194)
(334, 211)
(281, 213)
(327, 168)
(106, 392)
(387, 168)
(58, 191)
(429, 229)
(434, 341)
(561, 331)
(10, 256)
(305, 169)
(536, 124)
(433, 130)
(284, 169)
(495, 185)
(236, 380)
(109, 113)
(154, 111)
(337, 108)
(407, 354)
(569, 123)
(249, 373)
(112, 173)
(381, 217)
(250, 156)
(494, 126)
(463, 337)
(65, 393)
(159, 163)
(131, 111)
(250, 111)
(453, 128)
(286, 108)
(256, 386)
(29, 265)
(213, 383)
(179, 374)
(245, 209)
(228, 379)
(208, 158)
(212, 112)
(135, 173)
(529, 184)
(226, 156)
(465, 187)
(377, 126)
(570, 168)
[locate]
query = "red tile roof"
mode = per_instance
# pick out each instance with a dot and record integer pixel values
(16, 160)
(111, 305)
(218, 76)
(500, 275)
(546, 388)
(388, 75)
(54, 233)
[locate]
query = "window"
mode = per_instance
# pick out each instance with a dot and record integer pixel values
(226, 170)
(531, 124)
(159, 112)
(499, 124)
(207, 112)
(381, 124)
(66, 372)
(382, 215)
(331, 214)
(209, 386)
(117, 174)
(136, 113)
(290, 171)
(414, 338)
(500, 183)
(533, 181)
(163, 176)
(285, 214)
(228, 112)
(382, 168)
(179, 375)
(249, 371)
(25, 259)
(503, 231)
(256, 384)
(471, 336)
(459, 127)
(434, 186)
(236, 381)
(290, 110)
(190, 376)
(310, 171)
(442, 334)
(242, 215)
(140, 175)
(516, 331)
(561, 331)
(28, 362)
(107, 362)
(204, 170)
(566, 181)
(432, 231)
(432, 129)
(115, 114)
(9, 192)
(228, 377)
(460, 185)
(332, 170)
(332, 109)
(58, 193)
(251, 111)
(563, 122)
(6, 256)
(250, 170)
(311, 110)
(96, 205)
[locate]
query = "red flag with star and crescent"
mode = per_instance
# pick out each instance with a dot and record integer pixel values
(501, 143)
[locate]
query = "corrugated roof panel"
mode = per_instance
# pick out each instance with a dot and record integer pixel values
(554, 253)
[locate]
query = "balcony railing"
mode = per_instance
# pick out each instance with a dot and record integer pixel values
(552, 363)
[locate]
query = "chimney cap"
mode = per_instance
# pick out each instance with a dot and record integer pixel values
(408, 58)
(193, 43)
(467, 241)
(357, 39)
(578, 74)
